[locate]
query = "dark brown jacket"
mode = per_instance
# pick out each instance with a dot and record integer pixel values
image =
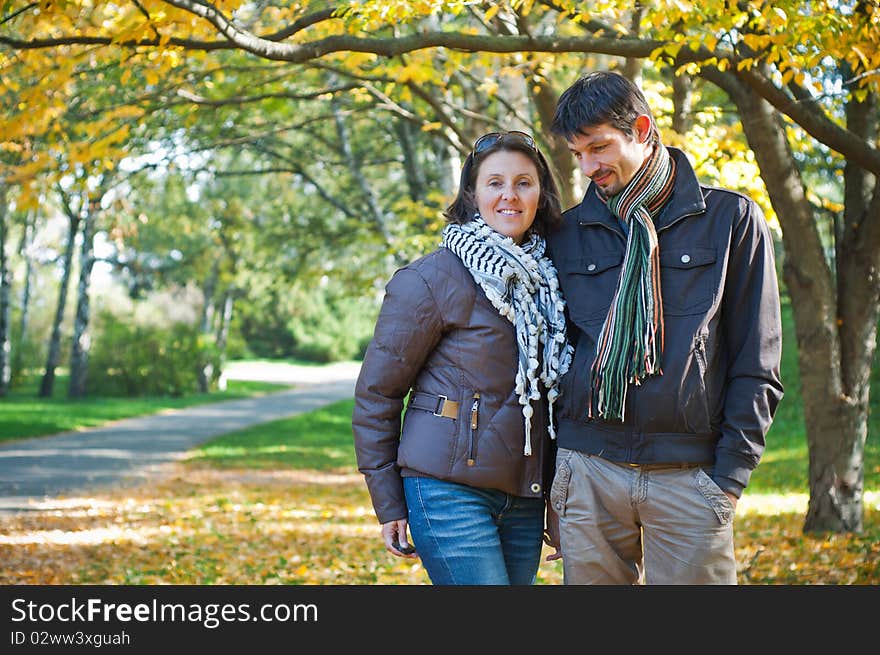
(439, 335)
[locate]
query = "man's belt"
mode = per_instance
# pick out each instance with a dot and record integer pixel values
(661, 466)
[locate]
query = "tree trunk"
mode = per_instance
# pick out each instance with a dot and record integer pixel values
(5, 299)
(24, 251)
(223, 336)
(79, 354)
(632, 67)
(225, 322)
(48, 383)
(558, 156)
(415, 178)
(206, 372)
(835, 413)
(837, 465)
(682, 97)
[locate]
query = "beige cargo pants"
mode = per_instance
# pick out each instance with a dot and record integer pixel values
(621, 524)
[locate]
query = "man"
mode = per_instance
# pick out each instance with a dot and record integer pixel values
(674, 309)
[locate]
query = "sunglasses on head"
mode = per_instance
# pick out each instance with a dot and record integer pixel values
(488, 140)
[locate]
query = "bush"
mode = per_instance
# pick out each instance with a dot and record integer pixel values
(328, 329)
(149, 360)
(318, 322)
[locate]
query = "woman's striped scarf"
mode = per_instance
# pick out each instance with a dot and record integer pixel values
(521, 284)
(630, 345)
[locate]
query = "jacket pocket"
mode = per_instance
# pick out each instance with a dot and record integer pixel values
(687, 279)
(588, 285)
(561, 480)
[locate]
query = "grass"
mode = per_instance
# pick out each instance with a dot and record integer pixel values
(23, 414)
(319, 440)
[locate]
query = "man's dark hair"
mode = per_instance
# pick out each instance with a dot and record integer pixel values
(599, 97)
(549, 214)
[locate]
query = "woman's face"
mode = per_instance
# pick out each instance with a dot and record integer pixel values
(507, 192)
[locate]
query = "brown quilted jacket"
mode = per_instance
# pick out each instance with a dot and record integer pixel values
(438, 335)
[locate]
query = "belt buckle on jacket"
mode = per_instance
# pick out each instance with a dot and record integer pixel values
(441, 400)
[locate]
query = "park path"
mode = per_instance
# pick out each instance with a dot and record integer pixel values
(126, 452)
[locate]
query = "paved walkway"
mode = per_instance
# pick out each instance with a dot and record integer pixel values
(34, 470)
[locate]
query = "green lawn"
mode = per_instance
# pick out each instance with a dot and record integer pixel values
(23, 414)
(320, 440)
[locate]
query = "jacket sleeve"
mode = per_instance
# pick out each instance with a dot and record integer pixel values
(753, 339)
(408, 328)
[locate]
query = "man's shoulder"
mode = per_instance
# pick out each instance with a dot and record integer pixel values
(727, 194)
(736, 204)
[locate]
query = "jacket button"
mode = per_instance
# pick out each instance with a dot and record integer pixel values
(591, 267)
(536, 488)
(685, 258)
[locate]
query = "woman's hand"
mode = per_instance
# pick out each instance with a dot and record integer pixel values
(551, 534)
(396, 542)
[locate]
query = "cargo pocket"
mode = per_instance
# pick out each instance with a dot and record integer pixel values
(717, 499)
(559, 488)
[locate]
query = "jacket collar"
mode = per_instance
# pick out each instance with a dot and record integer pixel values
(687, 199)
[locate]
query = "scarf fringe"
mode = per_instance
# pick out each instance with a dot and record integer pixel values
(630, 345)
(521, 283)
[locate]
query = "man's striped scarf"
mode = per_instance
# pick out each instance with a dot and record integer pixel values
(630, 345)
(521, 284)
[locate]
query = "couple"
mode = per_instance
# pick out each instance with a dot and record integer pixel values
(614, 412)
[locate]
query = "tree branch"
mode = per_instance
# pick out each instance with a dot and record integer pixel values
(811, 118)
(814, 122)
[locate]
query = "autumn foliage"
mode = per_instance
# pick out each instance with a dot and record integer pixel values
(196, 525)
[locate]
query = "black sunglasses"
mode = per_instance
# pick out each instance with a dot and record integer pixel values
(488, 140)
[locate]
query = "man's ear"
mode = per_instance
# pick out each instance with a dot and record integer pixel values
(642, 128)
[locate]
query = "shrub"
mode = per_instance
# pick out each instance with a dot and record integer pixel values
(138, 360)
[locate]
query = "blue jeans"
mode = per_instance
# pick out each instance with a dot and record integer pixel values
(470, 536)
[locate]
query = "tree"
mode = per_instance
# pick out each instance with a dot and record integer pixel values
(5, 300)
(796, 71)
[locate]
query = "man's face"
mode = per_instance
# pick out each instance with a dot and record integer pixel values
(610, 157)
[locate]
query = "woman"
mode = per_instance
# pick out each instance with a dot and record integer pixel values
(475, 334)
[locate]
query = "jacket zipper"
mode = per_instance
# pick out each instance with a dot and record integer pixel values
(701, 356)
(474, 411)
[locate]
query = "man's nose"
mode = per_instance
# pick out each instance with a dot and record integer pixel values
(588, 166)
